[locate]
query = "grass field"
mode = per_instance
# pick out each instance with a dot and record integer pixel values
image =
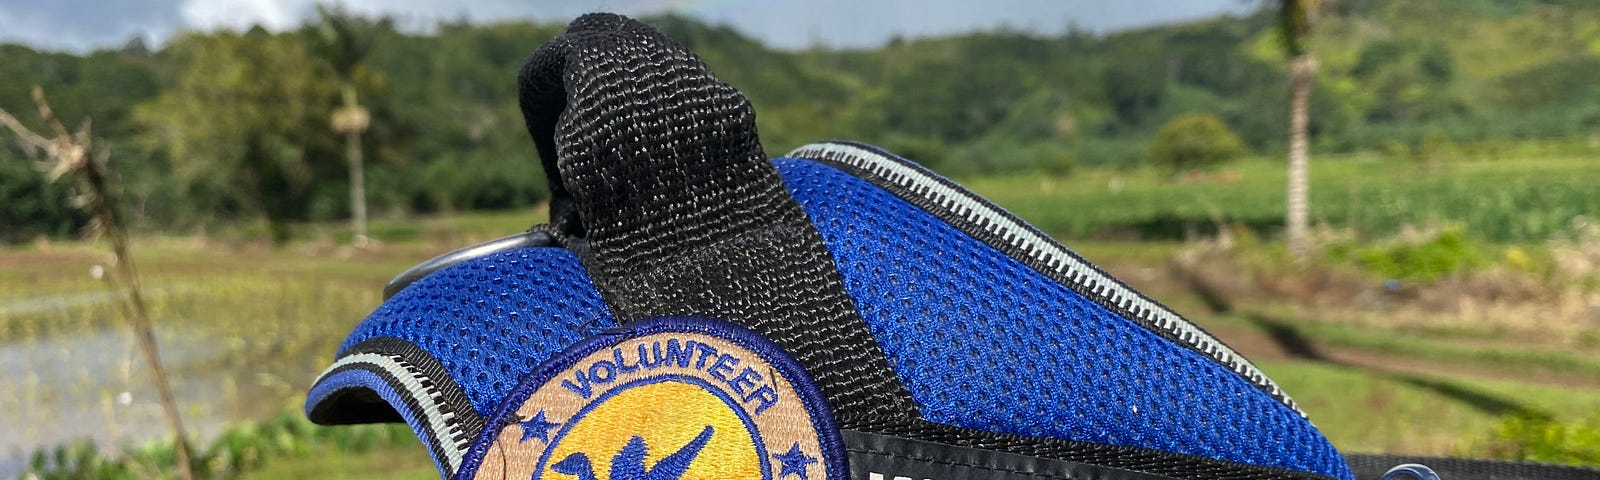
(1498, 201)
(401, 463)
(246, 327)
(1428, 414)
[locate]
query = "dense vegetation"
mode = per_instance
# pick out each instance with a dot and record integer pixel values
(1425, 79)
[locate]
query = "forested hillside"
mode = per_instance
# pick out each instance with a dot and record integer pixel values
(216, 126)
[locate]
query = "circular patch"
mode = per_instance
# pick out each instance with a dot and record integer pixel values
(663, 399)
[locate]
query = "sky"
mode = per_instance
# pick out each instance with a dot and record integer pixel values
(81, 25)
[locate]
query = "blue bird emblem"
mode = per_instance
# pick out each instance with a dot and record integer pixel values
(628, 464)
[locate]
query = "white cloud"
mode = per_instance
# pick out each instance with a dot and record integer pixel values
(62, 24)
(241, 14)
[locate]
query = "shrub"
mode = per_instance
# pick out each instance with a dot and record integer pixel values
(1195, 140)
(1540, 438)
(1431, 259)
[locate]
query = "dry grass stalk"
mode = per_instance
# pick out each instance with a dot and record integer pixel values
(72, 154)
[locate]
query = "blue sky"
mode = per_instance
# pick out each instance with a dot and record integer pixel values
(79, 25)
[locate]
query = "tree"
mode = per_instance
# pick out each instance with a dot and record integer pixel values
(1195, 140)
(1409, 80)
(1295, 18)
(245, 119)
(32, 206)
(1135, 89)
(343, 43)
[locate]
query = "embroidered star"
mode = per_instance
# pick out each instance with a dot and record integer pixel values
(794, 462)
(537, 426)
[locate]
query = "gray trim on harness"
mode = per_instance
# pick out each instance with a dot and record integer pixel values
(443, 428)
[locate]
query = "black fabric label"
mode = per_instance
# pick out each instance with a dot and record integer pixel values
(882, 457)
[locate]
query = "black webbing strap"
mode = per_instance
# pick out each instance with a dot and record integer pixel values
(660, 183)
(998, 446)
(1373, 467)
(887, 457)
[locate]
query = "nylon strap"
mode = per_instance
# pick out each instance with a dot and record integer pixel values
(660, 184)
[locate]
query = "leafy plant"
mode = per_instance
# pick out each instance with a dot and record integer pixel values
(1446, 253)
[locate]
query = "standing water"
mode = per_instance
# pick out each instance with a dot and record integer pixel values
(236, 348)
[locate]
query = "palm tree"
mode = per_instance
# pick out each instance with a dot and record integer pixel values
(344, 45)
(1294, 23)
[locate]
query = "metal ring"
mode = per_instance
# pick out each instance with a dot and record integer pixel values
(1406, 471)
(521, 240)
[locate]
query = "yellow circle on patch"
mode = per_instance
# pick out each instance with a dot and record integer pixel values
(675, 414)
(666, 399)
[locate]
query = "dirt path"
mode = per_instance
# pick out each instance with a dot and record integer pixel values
(1262, 345)
(1280, 341)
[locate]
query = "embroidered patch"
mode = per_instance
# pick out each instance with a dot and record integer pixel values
(663, 399)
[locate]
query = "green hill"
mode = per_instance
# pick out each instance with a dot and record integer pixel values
(1404, 78)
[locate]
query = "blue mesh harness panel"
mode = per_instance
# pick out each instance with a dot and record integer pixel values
(982, 341)
(490, 320)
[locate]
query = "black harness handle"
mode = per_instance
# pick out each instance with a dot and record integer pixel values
(659, 182)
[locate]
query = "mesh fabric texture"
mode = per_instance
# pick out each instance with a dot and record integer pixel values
(492, 319)
(982, 341)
